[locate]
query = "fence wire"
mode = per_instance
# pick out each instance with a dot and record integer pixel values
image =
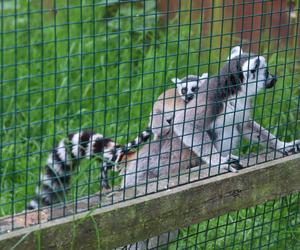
(273, 225)
(78, 76)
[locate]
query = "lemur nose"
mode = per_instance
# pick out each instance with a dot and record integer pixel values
(274, 80)
(271, 82)
(189, 97)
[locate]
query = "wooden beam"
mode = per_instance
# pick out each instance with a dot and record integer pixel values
(151, 215)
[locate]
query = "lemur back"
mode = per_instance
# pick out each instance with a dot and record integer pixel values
(163, 157)
(163, 112)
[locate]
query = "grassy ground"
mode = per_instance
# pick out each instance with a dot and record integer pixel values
(82, 68)
(267, 226)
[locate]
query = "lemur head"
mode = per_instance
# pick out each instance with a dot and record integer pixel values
(188, 86)
(255, 73)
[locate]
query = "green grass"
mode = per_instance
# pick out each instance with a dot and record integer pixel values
(84, 68)
(267, 226)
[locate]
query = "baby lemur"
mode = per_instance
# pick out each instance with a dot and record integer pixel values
(160, 124)
(161, 118)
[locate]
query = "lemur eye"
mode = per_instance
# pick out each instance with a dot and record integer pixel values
(183, 91)
(257, 62)
(195, 89)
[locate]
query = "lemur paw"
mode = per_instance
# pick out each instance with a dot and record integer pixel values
(233, 164)
(290, 148)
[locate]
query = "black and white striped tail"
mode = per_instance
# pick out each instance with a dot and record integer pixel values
(143, 137)
(64, 158)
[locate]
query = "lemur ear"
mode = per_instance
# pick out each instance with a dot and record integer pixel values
(240, 71)
(203, 76)
(235, 51)
(235, 71)
(175, 80)
(257, 63)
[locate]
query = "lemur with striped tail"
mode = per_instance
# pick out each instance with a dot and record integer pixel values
(66, 156)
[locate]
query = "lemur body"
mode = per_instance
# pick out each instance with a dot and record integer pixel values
(162, 148)
(233, 119)
(158, 158)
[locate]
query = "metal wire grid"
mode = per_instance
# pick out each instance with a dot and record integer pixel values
(70, 66)
(273, 225)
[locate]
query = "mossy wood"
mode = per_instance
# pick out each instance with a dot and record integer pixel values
(141, 218)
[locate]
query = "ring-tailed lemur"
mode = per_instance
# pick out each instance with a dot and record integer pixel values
(165, 154)
(69, 151)
(168, 154)
(65, 157)
(161, 118)
(225, 96)
(214, 137)
(212, 123)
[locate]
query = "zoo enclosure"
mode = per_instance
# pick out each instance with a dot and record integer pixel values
(57, 51)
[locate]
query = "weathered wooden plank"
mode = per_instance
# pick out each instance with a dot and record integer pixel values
(106, 197)
(147, 216)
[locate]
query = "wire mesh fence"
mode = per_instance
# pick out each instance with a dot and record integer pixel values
(273, 225)
(82, 79)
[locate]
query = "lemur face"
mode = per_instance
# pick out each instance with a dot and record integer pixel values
(255, 72)
(188, 86)
(257, 75)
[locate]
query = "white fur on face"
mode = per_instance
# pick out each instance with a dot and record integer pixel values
(235, 51)
(186, 88)
(254, 71)
(189, 88)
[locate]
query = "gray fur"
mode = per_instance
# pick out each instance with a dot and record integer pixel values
(223, 109)
(169, 102)
(168, 155)
(158, 159)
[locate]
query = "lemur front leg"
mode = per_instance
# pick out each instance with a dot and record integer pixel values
(104, 174)
(202, 145)
(256, 133)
